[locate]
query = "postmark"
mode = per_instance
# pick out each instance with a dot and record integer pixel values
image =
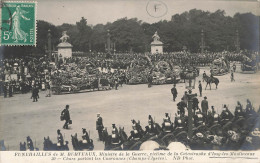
(156, 8)
(18, 23)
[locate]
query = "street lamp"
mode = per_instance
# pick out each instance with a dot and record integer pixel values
(190, 80)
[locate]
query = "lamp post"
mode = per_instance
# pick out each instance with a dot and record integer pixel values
(190, 80)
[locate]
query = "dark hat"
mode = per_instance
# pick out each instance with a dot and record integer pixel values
(58, 130)
(205, 97)
(113, 124)
(83, 129)
(166, 113)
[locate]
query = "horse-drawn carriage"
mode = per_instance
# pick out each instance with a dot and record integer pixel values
(249, 65)
(187, 70)
(219, 67)
(163, 73)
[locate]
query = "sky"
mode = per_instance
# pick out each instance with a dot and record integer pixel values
(58, 12)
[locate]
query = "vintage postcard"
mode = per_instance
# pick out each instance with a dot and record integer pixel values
(129, 81)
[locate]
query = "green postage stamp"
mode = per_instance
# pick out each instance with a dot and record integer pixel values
(18, 23)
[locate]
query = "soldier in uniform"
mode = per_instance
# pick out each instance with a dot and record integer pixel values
(135, 133)
(99, 126)
(199, 118)
(66, 114)
(59, 139)
(85, 136)
(226, 115)
(167, 124)
(151, 126)
(213, 117)
(179, 122)
(174, 92)
(30, 144)
(238, 111)
(115, 136)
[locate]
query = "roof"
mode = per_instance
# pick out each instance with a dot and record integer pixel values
(156, 42)
(64, 45)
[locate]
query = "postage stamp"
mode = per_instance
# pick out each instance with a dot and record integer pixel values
(18, 23)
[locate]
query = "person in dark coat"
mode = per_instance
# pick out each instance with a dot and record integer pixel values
(66, 114)
(203, 76)
(174, 92)
(204, 106)
(200, 88)
(181, 106)
(85, 136)
(195, 104)
(35, 94)
(99, 126)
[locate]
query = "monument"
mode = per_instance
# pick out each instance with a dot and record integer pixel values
(156, 45)
(64, 48)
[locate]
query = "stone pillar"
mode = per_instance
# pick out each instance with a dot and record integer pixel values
(49, 44)
(202, 41)
(237, 43)
(108, 42)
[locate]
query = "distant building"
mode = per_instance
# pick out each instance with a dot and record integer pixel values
(156, 45)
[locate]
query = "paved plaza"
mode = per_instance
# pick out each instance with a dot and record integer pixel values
(20, 117)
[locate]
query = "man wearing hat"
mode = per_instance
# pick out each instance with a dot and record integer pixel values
(174, 92)
(115, 135)
(99, 126)
(85, 136)
(181, 107)
(66, 114)
(30, 143)
(60, 139)
(204, 106)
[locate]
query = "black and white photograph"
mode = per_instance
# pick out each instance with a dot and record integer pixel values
(130, 75)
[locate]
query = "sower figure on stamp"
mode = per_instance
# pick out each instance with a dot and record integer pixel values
(174, 92)
(99, 126)
(66, 115)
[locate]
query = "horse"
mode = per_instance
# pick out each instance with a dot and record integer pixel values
(210, 80)
(107, 139)
(49, 146)
(22, 146)
(2, 145)
(79, 145)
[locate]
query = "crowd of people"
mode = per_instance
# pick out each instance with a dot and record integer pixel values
(20, 75)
